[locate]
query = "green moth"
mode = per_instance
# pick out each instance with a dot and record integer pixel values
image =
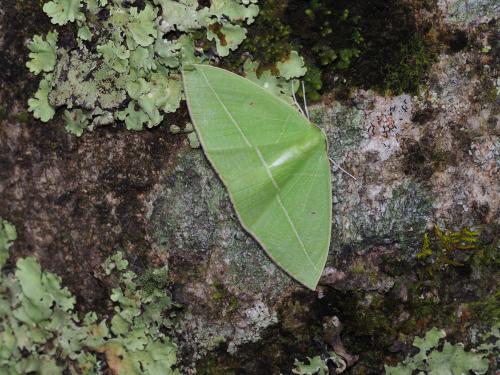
(273, 162)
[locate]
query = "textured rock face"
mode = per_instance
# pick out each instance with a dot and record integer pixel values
(419, 161)
(464, 12)
(381, 205)
(191, 219)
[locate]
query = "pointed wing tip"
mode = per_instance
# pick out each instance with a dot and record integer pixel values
(310, 281)
(310, 284)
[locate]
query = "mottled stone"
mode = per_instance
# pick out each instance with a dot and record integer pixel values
(413, 169)
(229, 294)
(469, 11)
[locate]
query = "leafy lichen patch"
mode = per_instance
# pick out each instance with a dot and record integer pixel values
(125, 65)
(448, 358)
(41, 332)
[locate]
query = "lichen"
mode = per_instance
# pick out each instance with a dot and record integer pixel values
(434, 356)
(476, 11)
(318, 365)
(41, 331)
(7, 236)
(192, 222)
(126, 64)
(192, 212)
(327, 36)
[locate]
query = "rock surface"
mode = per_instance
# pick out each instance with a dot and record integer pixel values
(419, 162)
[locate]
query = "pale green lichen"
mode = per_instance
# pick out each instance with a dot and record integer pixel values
(292, 67)
(436, 357)
(76, 121)
(142, 50)
(319, 366)
(7, 236)
(40, 105)
(194, 142)
(314, 366)
(281, 83)
(63, 11)
(126, 66)
(41, 333)
(42, 53)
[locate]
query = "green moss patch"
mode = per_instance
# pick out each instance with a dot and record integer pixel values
(368, 44)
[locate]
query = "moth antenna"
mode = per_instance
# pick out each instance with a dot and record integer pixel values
(305, 101)
(342, 169)
(296, 102)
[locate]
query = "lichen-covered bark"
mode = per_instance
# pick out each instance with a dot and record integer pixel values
(419, 160)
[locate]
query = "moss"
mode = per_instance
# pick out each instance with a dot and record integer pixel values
(216, 295)
(487, 309)
(214, 366)
(454, 295)
(233, 303)
(154, 279)
(445, 246)
(405, 75)
(374, 321)
(293, 317)
(3, 114)
(451, 297)
(358, 268)
(345, 44)
(489, 90)
(326, 35)
(221, 295)
(268, 39)
(456, 268)
(427, 310)
(396, 53)
(297, 334)
(23, 117)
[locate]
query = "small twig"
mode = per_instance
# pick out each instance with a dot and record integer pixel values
(305, 100)
(295, 100)
(343, 170)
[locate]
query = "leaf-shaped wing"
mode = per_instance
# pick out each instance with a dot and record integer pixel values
(274, 165)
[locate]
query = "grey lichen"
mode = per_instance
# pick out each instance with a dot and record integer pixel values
(191, 215)
(191, 221)
(364, 141)
(468, 12)
(94, 90)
